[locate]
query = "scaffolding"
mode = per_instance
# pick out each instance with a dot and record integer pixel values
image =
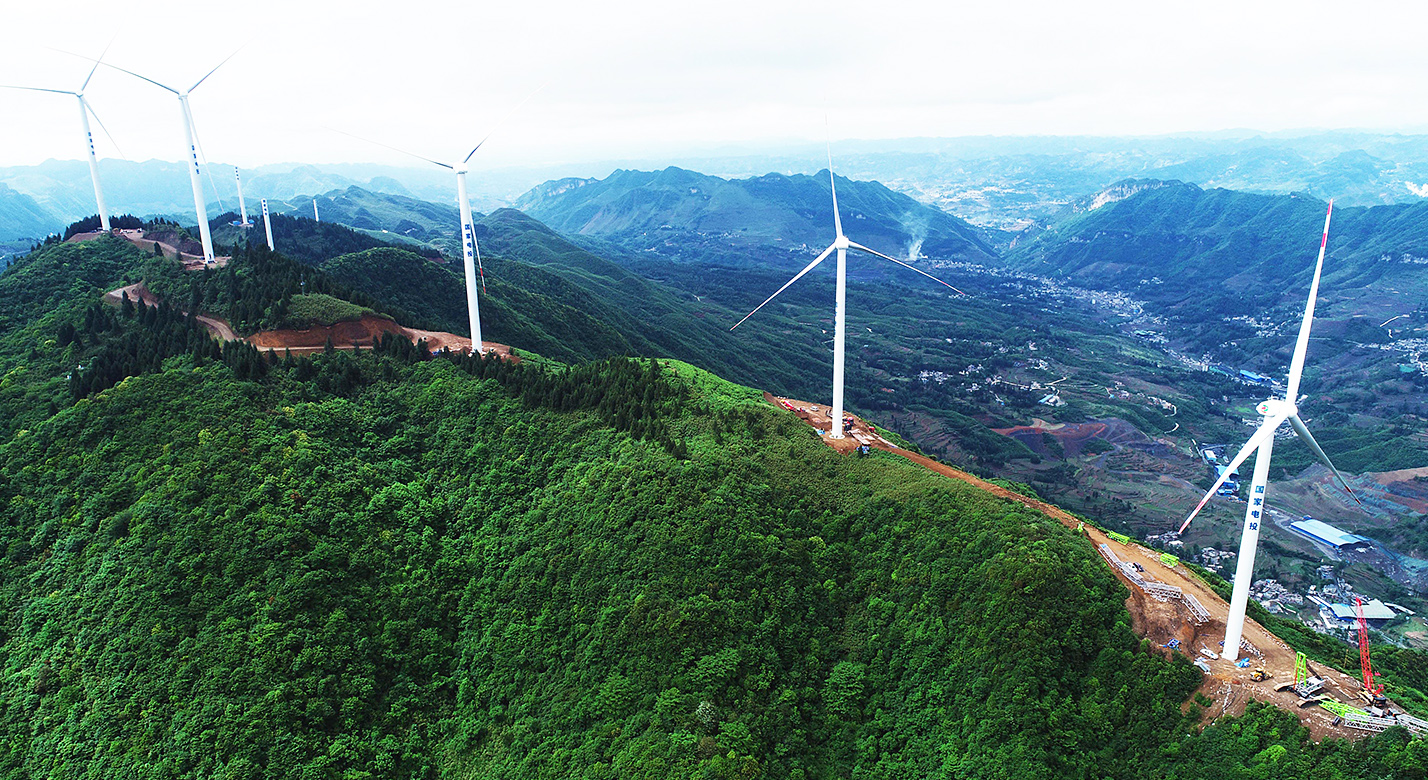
(1160, 591)
(1198, 613)
(1108, 555)
(1356, 718)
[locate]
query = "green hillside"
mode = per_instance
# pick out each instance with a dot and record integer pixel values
(690, 215)
(387, 216)
(299, 238)
(22, 219)
(379, 565)
(1223, 252)
(546, 294)
(521, 306)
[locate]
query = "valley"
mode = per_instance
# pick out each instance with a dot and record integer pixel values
(1034, 390)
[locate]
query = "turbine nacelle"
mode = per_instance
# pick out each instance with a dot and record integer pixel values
(841, 242)
(1277, 407)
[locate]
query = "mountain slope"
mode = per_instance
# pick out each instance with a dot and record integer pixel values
(399, 217)
(21, 218)
(645, 210)
(463, 568)
(1232, 252)
(546, 294)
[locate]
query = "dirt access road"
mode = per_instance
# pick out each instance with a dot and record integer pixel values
(191, 262)
(138, 292)
(1159, 621)
(344, 335)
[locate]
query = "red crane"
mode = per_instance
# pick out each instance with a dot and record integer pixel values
(1372, 687)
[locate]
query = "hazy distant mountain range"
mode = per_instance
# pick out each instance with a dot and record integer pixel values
(1003, 182)
(1012, 182)
(683, 214)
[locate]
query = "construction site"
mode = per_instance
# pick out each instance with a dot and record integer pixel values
(1176, 610)
(363, 332)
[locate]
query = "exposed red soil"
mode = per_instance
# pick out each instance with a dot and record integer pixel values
(1402, 487)
(1074, 437)
(345, 335)
(188, 252)
(364, 333)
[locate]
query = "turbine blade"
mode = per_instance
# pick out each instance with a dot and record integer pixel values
(508, 115)
(1301, 346)
(122, 70)
(393, 148)
(1266, 430)
(856, 245)
(805, 270)
(39, 89)
(1308, 438)
(83, 86)
(216, 67)
(100, 122)
(832, 183)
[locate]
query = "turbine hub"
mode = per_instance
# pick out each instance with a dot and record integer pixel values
(842, 243)
(1271, 407)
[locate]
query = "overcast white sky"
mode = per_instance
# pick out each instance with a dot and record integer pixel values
(645, 79)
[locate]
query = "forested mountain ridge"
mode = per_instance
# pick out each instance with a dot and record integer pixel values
(399, 216)
(22, 218)
(1195, 250)
(384, 565)
(665, 210)
(559, 299)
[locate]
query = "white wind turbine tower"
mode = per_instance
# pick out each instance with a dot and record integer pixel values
(242, 206)
(841, 244)
(200, 207)
(84, 111)
(268, 224)
(1275, 412)
(470, 249)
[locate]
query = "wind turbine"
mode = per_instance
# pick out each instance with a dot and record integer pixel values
(200, 207)
(841, 244)
(470, 249)
(84, 111)
(1275, 412)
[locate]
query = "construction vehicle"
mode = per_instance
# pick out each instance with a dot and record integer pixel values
(1259, 674)
(1306, 685)
(1372, 688)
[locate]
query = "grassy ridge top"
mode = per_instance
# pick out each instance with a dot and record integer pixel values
(305, 311)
